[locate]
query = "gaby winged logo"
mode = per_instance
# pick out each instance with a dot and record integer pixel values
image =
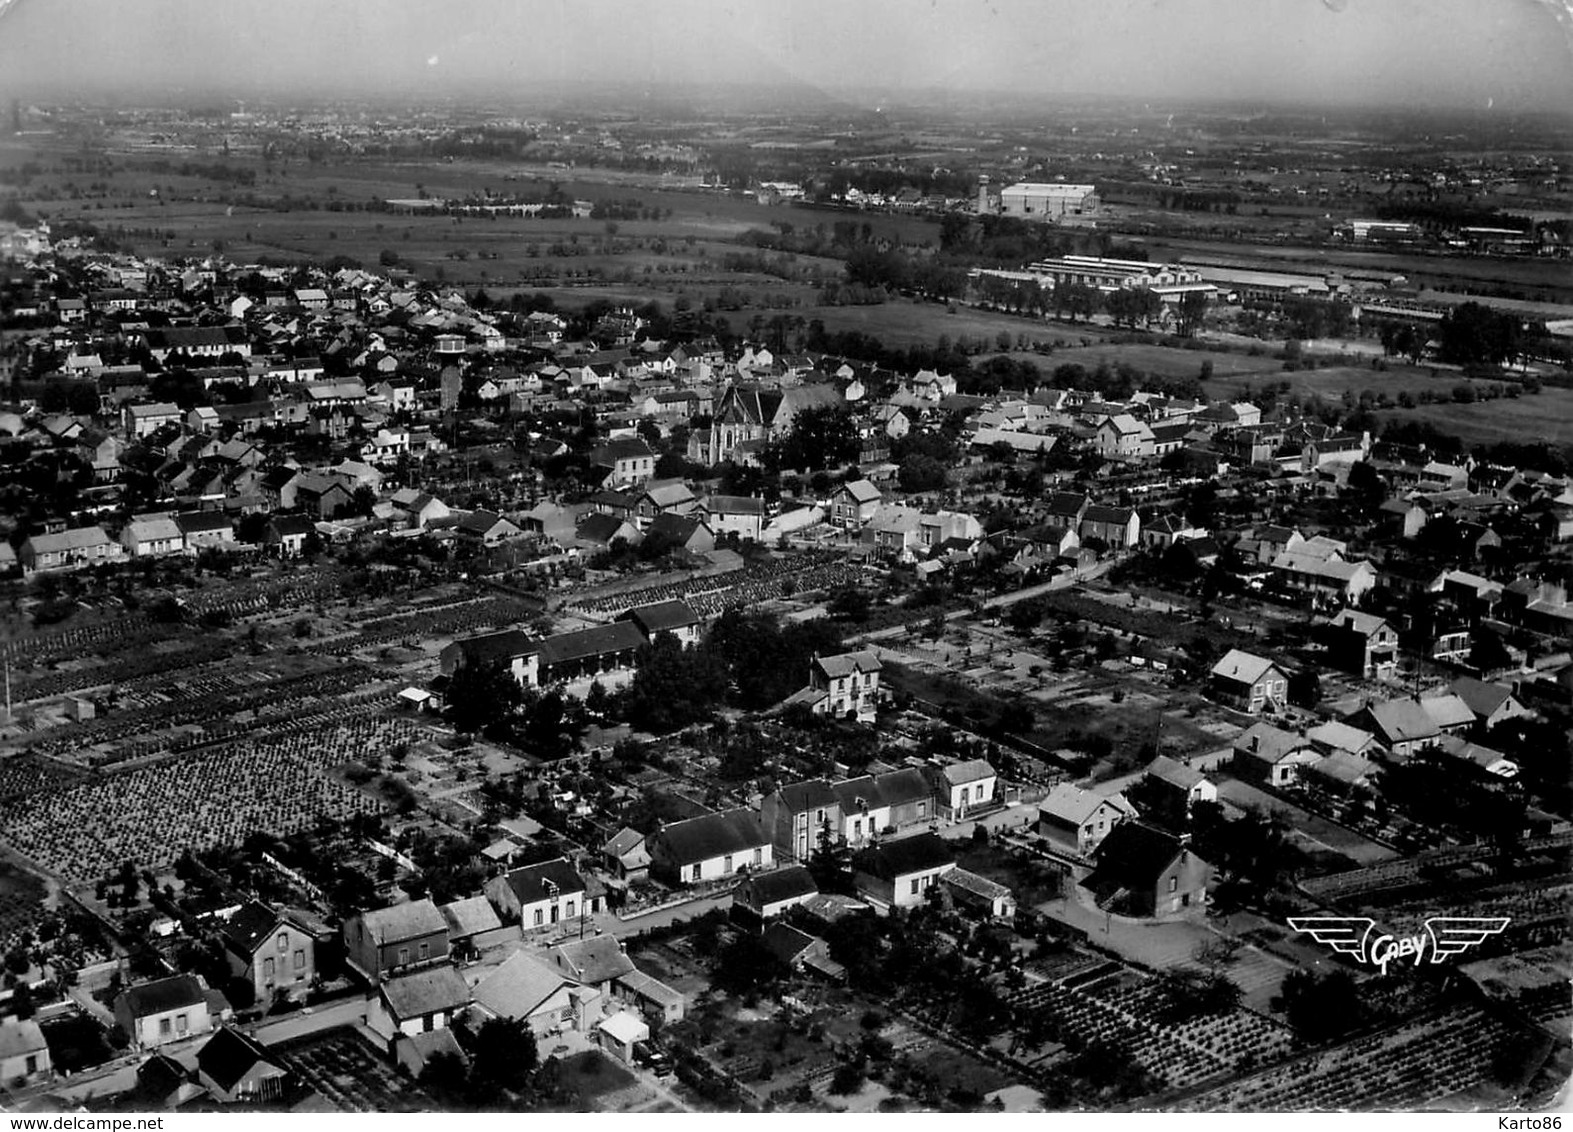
(1356, 936)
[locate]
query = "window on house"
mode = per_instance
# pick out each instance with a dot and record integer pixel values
(923, 809)
(32, 1064)
(540, 917)
(726, 863)
(425, 951)
(268, 967)
(698, 872)
(181, 1024)
(914, 886)
(165, 1027)
(759, 857)
(572, 911)
(1174, 883)
(404, 956)
(300, 960)
(282, 942)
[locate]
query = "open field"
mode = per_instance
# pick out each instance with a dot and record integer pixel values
(1165, 361)
(1330, 384)
(1546, 416)
(315, 211)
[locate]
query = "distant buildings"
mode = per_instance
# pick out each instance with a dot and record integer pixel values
(1032, 200)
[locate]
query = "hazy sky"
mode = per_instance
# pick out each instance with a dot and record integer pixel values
(1514, 53)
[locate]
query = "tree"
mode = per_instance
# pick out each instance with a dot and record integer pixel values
(482, 694)
(747, 966)
(1475, 334)
(1024, 616)
(1487, 653)
(824, 436)
(1319, 1008)
(504, 1054)
(1305, 688)
(552, 726)
(831, 862)
(921, 473)
(1189, 317)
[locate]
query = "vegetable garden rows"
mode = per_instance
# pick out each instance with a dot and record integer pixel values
(151, 814)
(1423, 1061)
(1125, 1012)
(754, 584)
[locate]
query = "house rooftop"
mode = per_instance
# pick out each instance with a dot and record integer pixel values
(403, 921)
(712, 835)
(229, 1055)
(425, 992)
(1242, 667)
(890, 860)
(163, 995)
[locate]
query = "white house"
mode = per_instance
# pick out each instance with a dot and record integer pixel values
(964, 787)
(539, 895)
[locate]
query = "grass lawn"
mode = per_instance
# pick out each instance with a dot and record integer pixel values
(1165, 361)
(592, 1074)
(1030, 879)
(1331, 383)
(1547, 415)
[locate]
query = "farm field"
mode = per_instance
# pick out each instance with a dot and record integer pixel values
(152, 813)
(1165, 361)
(1423, 1061)
(1331, 383)
(1547, 416)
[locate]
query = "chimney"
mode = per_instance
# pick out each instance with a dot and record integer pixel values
(1256, 742)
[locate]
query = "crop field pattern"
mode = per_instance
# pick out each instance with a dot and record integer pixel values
(152, 814)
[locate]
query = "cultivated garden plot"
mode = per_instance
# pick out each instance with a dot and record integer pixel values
(1425, 1060)
(151, 814)
(341, 1067)
(1124, 1012)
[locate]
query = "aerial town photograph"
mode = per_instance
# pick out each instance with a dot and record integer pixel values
(914, 556)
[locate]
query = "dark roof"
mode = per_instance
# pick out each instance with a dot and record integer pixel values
(494, 647)
(907, 855)
(1098, 513)
(1134, 856)
(812, 794)
(676, 528)
(782, 884)
(894, 788)
(164, 994)
(1483, 698)
(250, 926)
(613, 450)
(544, 881)
(598, 640)
(600, 527)
(192, 337)
(712, 835)
(196, 521)
(661, 616)
(286, 526)
(479, 522)
(785, 942)
(228, 1056)
(1066, 503)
